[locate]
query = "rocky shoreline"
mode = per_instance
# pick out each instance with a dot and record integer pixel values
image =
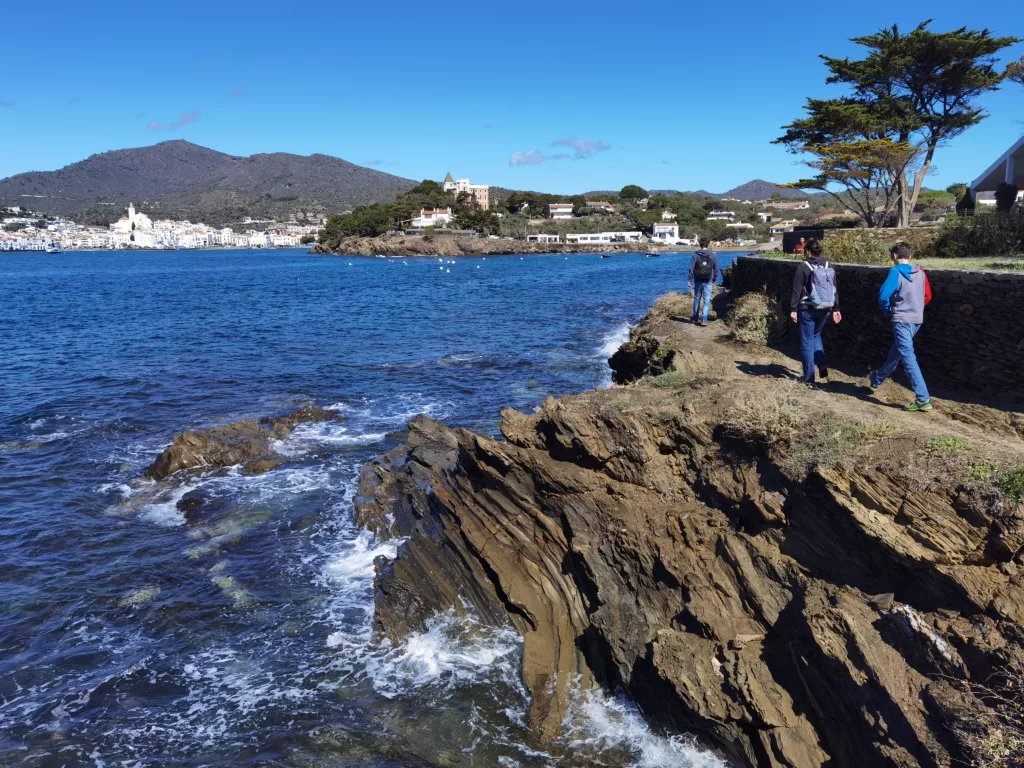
(439, 245)
(794, 597)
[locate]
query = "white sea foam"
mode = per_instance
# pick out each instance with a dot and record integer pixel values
(609, 346)
(163, 510)
(367, 412)
(599, 723)
(613, 340)
(454, 650)
(306, 437)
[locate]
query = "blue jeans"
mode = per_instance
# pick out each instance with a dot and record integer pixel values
(903, 351)
(701, 291)
(812, 353)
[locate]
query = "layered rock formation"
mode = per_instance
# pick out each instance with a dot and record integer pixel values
(789, 614)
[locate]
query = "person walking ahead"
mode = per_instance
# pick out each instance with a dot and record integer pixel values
(815, 299)
(903, 297)
(703, 274)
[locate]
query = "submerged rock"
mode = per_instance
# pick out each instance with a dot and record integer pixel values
(245, 442)
(831, 613)
(222, 446)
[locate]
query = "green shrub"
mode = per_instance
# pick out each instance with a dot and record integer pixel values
(947, 445)
(1012, 484)
(982, 471)
(985, 234)
(1006, 196)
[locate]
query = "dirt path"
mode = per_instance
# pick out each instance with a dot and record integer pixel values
(997, 431)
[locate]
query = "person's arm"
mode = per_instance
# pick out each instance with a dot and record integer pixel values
(889, 287)
(715, 271)
(798, 287)
(837, 313)
(927, 288)
(693, 261)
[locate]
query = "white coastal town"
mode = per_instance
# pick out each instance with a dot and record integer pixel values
(24, 230)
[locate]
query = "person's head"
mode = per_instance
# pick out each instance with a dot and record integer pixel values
(704, 242)
(812, 247)
(802, 241)
(901, 251)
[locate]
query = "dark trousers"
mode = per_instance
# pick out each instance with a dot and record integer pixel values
(812, 352)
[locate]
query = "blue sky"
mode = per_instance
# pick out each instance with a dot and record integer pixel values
(560, 98)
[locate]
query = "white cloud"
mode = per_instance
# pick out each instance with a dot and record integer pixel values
(533, 157)
(583, 147)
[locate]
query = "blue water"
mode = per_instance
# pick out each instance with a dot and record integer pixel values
(130, 638)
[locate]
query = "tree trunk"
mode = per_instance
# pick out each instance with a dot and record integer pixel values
(903, 210)
(919, 178)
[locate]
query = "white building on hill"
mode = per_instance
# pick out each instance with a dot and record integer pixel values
(132, 222)
(561, 210)
(432, 217)
(666, 232)
(721, 216)
(481, 193)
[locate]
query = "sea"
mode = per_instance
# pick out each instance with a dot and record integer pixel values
(129, 638)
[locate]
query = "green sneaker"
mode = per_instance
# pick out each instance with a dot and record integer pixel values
(917, 405)
(872, 388)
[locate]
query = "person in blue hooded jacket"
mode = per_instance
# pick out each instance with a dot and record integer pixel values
(903, 297)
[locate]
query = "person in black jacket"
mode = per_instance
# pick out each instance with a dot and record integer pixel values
(815, 298)
(703, 275)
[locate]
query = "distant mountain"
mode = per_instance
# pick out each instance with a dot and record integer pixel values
(762, 190)
(752, 190)
(177, 179)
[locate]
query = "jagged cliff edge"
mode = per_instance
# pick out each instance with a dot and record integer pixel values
(787, 617)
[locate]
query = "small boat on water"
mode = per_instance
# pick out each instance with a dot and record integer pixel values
(653, 254)
(606, 255)
(53, 248)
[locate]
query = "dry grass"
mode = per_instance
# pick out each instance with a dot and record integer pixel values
(671, 380)
(828, 442)
(754, 319)
(771, 418)
(879, 430)
(995, 735)
(801, 435)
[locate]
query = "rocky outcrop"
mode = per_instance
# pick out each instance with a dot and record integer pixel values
(788, 616)
(244, 442)
(446, 245)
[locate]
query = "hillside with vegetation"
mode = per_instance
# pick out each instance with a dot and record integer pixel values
(180, 180)
(517, 214)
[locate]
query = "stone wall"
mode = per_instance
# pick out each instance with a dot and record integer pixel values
(972, 342)
(921, 239)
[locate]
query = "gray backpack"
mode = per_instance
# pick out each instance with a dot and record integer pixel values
(823, 287)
